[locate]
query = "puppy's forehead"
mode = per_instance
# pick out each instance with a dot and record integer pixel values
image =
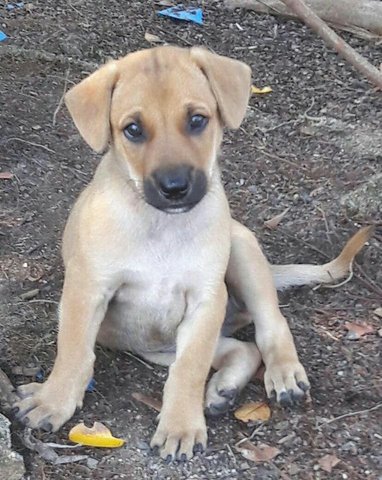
(160, 75)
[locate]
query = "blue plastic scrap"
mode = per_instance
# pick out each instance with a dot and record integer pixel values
(91, 386)
(188, 14)
(2, 36)
(12, 6)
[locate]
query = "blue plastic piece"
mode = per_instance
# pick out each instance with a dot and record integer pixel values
(91, 386)
(2, 36)
(188, 14)
(12, 6)
(39, 376)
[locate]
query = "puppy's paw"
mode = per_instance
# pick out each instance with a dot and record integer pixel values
(45, 406)
(286, 381)
(220, 395)
(177, 438)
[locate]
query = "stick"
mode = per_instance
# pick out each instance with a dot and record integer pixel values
(360, 17)
(351, 414)
(335, 41)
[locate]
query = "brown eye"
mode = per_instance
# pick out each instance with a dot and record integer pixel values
(197, 123)
(134, 132)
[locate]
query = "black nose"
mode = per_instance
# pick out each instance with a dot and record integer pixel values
(173, 183)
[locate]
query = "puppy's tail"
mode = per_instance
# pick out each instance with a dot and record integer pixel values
(294, 275)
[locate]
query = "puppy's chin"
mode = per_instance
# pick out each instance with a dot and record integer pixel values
(179, 209)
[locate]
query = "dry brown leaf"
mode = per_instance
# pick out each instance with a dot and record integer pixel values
(274, 221)
(356, 331)
(149, 401)
(149, 37)
(253, 411)
(328, 462)
(6, 175)
(257, 453)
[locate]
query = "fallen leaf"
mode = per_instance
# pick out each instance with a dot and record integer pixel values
(274, 221)
(356, 331)
(149, 37)
(6, 175)
(328, 462)
(260, 91)
(257, 453)
(253, 411)
(149, 401)
(96, 436)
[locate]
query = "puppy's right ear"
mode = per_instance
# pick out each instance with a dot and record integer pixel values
(89, 105)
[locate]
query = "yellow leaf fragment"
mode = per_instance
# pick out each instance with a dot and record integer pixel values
(96, 436)
(253, 411)
(257, 90)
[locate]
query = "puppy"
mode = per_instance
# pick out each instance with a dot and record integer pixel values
(154, 262)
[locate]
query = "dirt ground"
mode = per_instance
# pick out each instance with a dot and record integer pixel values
(302, 147)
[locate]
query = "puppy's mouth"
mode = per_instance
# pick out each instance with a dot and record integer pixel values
(176, 189)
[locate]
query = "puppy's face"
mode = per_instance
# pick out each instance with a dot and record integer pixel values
(162, 111)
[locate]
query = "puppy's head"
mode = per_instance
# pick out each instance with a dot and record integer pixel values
(161, 111)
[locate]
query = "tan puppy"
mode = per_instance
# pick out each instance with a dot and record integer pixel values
(150, 249)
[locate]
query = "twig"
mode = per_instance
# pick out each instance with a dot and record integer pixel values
(13, 51)
(36, 300)
(138, 359)
(61, 99)
(28, 143)
(337, 285)
(308, 16)
(368, 280)
(328, 333)
(351, 414)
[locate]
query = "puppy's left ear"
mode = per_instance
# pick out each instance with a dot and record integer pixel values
(230, 81)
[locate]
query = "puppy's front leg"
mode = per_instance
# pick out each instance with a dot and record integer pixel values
(51, 404)
(182, 426)
(250, 277)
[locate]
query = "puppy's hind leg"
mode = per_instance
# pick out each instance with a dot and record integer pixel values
(236, 363)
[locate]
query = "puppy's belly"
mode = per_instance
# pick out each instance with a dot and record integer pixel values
(143, 320)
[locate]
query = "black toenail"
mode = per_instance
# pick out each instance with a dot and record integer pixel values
(285, 399)
(47, 427)
(198, 448)
(155, 450)
(304, 387)
(168, 459)
(183, 457)
(15, 410)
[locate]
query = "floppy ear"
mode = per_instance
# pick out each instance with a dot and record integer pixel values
(89, 105)
(230, 81)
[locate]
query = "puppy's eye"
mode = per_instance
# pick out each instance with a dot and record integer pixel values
(197, 123)
(134, 132)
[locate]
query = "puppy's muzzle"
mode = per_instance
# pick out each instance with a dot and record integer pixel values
(175, 189)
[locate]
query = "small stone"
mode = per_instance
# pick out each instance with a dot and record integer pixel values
(11, 463)
(378, 312)
(380, 332)
(92, 463)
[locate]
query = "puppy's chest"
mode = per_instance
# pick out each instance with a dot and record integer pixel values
(152, 301)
